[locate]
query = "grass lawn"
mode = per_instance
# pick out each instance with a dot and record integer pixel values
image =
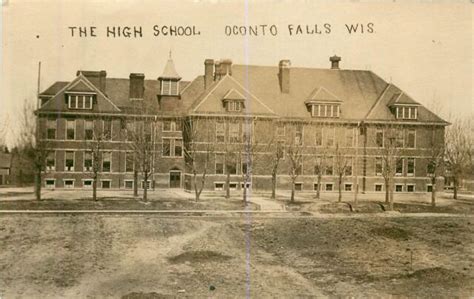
(125, 256)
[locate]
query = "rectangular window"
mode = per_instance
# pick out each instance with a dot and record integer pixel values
(234, 106)
(50, 183)
(410, 188)
(399, 167)
(411, 136)
(70, 129)
(349, 137)
(87, 183)
(220, 132)
(298, 186)
(329, 187)
(429, 188)
(244, 167)
(378, 166)
(379, 138)
(172, 147)
(231, 168)
(398, 188)
(128, 184)
(178, 147)
(319, 137)
(280, 130)
(315, 186)
(69, 161)
(51, 129)
(51, 161)
(174, 88)
(234, 133)
(399, 139)
(89, 129)
(378, 187)
(107, 129)
(129, 162)
(299, 169)
(106, 161)
(299, 134)
(328, 170)
(105, 184)
(80, 101)
(167, 126)
(347, 187)
(178, 126)
(218, 186)
(330, 136)
(348, 170)
(166, 151)
(430, 168)
(87, 161)
(410, 166)
(166, 87)
(219, 163)
(130, 130)
(68, 183)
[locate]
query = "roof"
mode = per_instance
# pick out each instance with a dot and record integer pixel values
(170, 71)
(234, 95)
(5, 160)
(53, 89)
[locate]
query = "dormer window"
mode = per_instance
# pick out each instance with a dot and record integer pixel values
(233, 101)
(169, 87)
(234, 106)
(406, 112)
(325, 110)
(80, 101)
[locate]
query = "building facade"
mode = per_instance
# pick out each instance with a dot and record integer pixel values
(235, 122)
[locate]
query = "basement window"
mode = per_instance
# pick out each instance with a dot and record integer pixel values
(50, 183)
(87, 183)
(68, 183)
(298, 186)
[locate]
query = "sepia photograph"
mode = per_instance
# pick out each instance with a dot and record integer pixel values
(237, 149)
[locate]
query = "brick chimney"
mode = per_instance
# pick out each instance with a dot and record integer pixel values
(98, 78)
(284, 75)
(137, 86)
(208, 73)
(335, 62)
(223, 67)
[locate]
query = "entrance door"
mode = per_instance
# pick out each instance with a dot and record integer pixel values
(175, 179)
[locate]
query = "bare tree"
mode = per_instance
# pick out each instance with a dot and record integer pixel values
(247, 150)
(197, 158)
(93, 156)
(294, 152)
(35, 147)
(435, 160)
(459, 150)
(342, 164)
(274, 151)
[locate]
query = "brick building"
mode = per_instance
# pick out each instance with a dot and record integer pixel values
(319, 110)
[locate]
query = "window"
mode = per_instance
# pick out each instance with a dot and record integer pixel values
(280, 130)
(219, 163)
(218, 186)
(431, 168)
(129, 162)
(69, 161)
(398, 188)
(378, 166)
(234, 106)
(429, 188)
(299, 169)
(80, 101)
(406, 112)
(169, 87)
(107, 131)
(128, 184)
(410, 188)
(50, 183)
(399, 167)
(348, 170)
(330, 136)
(328, 170)
(51, 161)
(399, 139)
(87, 183)
(378, 187)
(299, 134)
(325, 110)
(315, 186)
(148, 184)
(106, 161)
(410, 166)
(347, 187)
(172, 126)
(130, 130)
(317, 167)
(234, 133)
(68, 183)
(298, 186)
(87, 161)
(51, 129)
(319, 137)
(105, 184)
(329, 187)
(411, 137)
(89, 129)
(379, 138)
(231, 167)
(70, 129)
(172, 147)
(220, 132)
(247, 185)
(349, 142)
(167, 126)
(244, 167)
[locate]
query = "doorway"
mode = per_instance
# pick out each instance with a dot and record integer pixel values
(175, 179)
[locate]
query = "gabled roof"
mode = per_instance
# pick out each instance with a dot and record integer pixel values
(53, 89)
(402, 98)
(170, 71)
(233, 94)
(321, 94)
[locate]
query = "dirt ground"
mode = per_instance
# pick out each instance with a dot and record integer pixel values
(78, 256)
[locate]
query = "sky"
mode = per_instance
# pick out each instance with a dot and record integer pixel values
(424, 47)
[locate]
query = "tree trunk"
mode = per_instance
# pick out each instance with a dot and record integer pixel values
(318, 190)
(245, 192)
(135, 183)
(433, 191)
(196, 193)
(292, 198)
(455, 188)
(387, 190)
(339, 183)
(38, 184)
(391, 195)
(94, 188)
(145, 187)
(274, 178)
(227, 186)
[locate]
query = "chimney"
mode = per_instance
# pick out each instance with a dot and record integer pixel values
(137, 86)
(223, 67)
(284, 75)
(335, 62)
(208, 73)
(98, 78)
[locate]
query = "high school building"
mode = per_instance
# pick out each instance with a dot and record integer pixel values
(318, 109)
